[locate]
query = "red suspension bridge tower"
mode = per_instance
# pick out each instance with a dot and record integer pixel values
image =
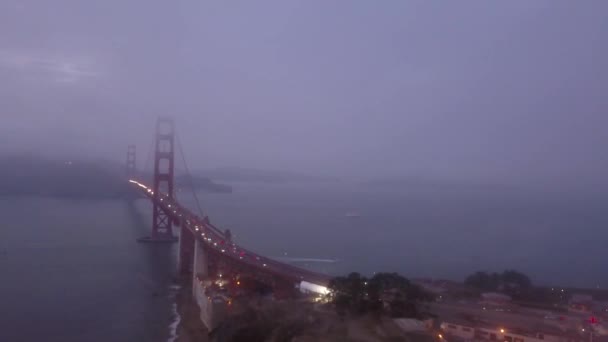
(205, 251)
(164, 152)
(131, 165)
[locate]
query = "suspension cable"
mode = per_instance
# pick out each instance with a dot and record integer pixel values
(188, 175)
(149, 156)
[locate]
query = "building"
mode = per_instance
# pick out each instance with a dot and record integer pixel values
(468, 331)
(580, 303)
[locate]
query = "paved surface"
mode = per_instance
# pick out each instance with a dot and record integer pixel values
(533, 320)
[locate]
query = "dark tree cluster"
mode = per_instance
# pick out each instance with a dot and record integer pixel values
(384, 292)
(510, 282)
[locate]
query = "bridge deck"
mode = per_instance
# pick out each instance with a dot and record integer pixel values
(214, 238)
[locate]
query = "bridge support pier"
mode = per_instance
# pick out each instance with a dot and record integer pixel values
(200, 266)
(185, 255)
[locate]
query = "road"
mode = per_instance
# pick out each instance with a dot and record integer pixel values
(523, 318)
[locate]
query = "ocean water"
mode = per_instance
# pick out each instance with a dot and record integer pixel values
(72, 270)
(555, 238)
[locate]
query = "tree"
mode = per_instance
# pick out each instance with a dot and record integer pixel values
(350, 289)
(483, 281)
(363, 295)
(512, 278)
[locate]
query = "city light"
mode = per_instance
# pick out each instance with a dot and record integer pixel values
(502, 331)
(440, 336)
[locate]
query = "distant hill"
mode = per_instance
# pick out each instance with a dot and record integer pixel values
(21, 176)
(202, 183)
(29, 175)
(240, 174)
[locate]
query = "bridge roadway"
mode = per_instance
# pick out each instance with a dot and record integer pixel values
(215, 240)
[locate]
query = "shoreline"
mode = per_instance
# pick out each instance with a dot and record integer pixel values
(187, 326)
(177, 318)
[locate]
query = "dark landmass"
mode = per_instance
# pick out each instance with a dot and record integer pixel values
(385, 293)
(520, 288)
(190, 328)
(35, 176)
(26, 176)
(361, 309)
(202, 183)
(239, 174)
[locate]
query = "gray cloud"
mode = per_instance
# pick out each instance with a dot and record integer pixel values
(46, 68)
(505, 92)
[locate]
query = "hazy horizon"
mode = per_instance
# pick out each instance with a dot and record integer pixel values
(506, 93)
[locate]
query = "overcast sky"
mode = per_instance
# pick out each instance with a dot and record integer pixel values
(505, 91)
